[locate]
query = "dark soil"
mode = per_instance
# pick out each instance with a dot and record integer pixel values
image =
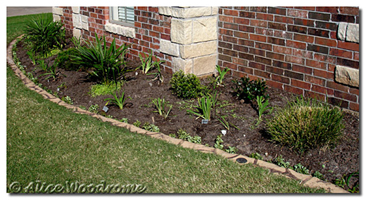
(339, 161)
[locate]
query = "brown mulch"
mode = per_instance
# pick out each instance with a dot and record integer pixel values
(341, 160)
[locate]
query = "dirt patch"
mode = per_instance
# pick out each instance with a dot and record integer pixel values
(332, 163)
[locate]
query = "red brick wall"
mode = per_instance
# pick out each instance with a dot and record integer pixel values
(150, 26)
(292, 48)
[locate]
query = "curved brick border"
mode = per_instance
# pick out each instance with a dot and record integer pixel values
(306, 180)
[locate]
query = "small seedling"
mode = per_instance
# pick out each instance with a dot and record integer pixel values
(125, 120)
(151, 127)
(147, 64)
(137, 123)
(204, 107)
(221, 74)
(262, 106)
(93, 108)
(231, 149)
(119, 101)
(67, 99)
(160, 106)
(218, 142)
(281, 162)
(187, 137)
(318, 175)
(226, 124)
(301, 169)
(256, 156)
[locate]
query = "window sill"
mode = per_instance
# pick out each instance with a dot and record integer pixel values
(120, 30)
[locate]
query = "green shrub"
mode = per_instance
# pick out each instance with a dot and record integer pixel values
(105, 63)
(248, 90)
(151, 127)
(305, 125)
(43, 34)
(105, 88)
(186, 86)
(64, 60)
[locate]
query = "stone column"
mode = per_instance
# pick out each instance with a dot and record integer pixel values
(79, 21)
(193, 42)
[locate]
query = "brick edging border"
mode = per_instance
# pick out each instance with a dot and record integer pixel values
(306, 180)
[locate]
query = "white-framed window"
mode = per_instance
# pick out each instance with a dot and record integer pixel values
(122, 15)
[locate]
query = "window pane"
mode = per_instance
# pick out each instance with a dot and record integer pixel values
(126, 14)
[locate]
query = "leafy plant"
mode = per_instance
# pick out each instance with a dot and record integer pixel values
(318, 175)
(305, 125)
(248, 89)
(158, 75)
(93, 108)
(125, 120)
(231, 149)
(52, 73)
(160, 106)
(65, 60)
(105, 88)
(151, 127)
(256, 156)
(119, 101)
(67, 99)
(262, 107)
(221, 74)
(301, 169)
(280, 161)
(186, 86)
(226, 124)
(43, 35)
(147, 63)
(106, 63)
(356, 187)
(218, 142)
(137, 123)
(204, 107)
(187, 137)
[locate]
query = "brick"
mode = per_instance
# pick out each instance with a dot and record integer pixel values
(257, 51)
(338, 102)
(327, 9)
(246, 69)
(325, 58)
(323, 74)
(305, 8)
(264, 31)
(320, 89)
(230, 65)
(257, 66)
(316, 64)
(231, 26)
(302, 53)
(263, 60)
(300, 84)
(319, 32)
(283, 19)
(282, 64)
(274, 84)
(229, 39)
(337, 86)
(280, 49)
(298, 29)
(231, 12)
(356, 56)
(281, 79)
(340, 53)
(354, 106)
(326, 42)
(259, 23)
(314, 95)
(293, 90)
(295, 59)
(262, 73)
(236, 73)
(349, 46)
(258, 9)
(275, 56)
(264, 46)
(246, 56)
(226, 32)
(349, 63)
(154, 34)
(248, 29)
(283, 34)
(246, 14)
(274, 70)
(317, 48)
(315, 80)
(244, 21)
(295, 44)
(304, 22)
(278, 11)
(343, 95)
(302, 69)
(264, 16)
(343, 18)
(226, 19)
(326, 25)
(225, 45)
(304, 38)
(297, 13)
(277, 41)
(319, 16)
(255, 37)
(146, 26)
(349, 10)
(294, 75)
(278, 26)
(240, 61)
(241, 34)
(230, 52)
(246, 42)
(224, 57)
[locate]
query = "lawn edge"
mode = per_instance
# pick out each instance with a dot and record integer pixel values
(306, 180)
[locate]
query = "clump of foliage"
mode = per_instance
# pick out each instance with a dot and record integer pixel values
(256, 156)
(248, 90)
(205, 105)
(137, 123)
(280, 161)
(105, 88)
(262, 106)
(162, 107)
(125, 120)
(218, 142)
(301, 169)
(345, 182)
(67, 99)
(104, 63)
(64, 59)
(221, 75)
(147, 63)
(187, 137)
(186, 86)
(119, 101)
(305, 125)
(150, 127)
(231, 149)
(93, 108)
(43, 34)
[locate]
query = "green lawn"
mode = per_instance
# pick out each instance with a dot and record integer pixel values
(50, 143)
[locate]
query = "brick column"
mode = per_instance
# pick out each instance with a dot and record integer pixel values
(193, 41)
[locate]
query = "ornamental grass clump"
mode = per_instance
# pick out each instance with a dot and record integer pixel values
(304, 125)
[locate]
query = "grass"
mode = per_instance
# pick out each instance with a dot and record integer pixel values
(52, 144)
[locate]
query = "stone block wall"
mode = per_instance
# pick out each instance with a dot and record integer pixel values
(311, 51)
